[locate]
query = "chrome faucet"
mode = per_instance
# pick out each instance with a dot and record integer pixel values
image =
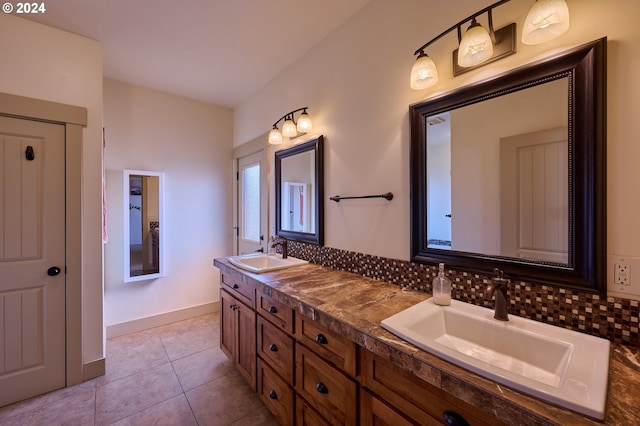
(499, 283)
(283, 244)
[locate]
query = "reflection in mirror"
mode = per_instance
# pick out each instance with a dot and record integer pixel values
(143, 246)
(510, 178)
(510, 173)
(297, 174)
(299, 192)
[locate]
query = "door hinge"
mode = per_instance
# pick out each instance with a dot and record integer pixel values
(237, 175)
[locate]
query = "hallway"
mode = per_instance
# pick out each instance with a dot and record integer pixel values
(170, 375)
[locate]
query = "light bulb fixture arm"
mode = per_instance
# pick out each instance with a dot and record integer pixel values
(289, 115)
(459, 25)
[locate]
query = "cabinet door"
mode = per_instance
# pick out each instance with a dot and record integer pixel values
(227, 325)
(246, 343)
(238, 336)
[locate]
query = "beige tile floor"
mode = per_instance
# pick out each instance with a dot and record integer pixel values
(170, 375)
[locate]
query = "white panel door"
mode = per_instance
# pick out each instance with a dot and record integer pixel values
(252, 203)
(32, 258)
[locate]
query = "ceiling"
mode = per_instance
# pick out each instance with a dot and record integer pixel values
(217, 51)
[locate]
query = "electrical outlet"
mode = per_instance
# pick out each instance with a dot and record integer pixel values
(620, 278)
(621, 274)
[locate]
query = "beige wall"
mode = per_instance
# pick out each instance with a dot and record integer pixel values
(356, 85)
(191, 143)
(45, 63)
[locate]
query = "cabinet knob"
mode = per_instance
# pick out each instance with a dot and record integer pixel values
(273, 310)
(322, 388)
(321, 339)
(235, 286)
(273, 394)
(273, 347)
(454, 419)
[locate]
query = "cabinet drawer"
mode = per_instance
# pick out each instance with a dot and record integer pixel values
(307, 416)
(420, 401)
(276, 348)
(336, 349)
(276, 394)
(276, 312)
(243, 290)
(375, 412)
(327, 390)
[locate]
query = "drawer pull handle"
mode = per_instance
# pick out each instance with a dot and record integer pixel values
(273, 347)
(273, 394)
(235, 286)
(321, 339)
(322, 388)
(273, 310)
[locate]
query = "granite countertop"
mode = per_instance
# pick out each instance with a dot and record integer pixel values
(354, 306)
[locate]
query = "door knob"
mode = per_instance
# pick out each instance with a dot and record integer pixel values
(53, 271)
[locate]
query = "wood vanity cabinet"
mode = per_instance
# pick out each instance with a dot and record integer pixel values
(308, 374)
(238, 326)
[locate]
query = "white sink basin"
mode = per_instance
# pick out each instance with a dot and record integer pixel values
(261, 262)
(560, 366)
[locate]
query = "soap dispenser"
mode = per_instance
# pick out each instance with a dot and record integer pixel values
(441, 288)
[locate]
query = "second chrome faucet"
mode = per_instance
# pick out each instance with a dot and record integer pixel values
(498, 287)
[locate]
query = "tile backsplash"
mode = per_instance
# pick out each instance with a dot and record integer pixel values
(613, 318)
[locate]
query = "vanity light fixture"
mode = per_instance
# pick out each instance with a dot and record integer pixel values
(476, 46)
(424, 73)
(547, 19)
(289, 128)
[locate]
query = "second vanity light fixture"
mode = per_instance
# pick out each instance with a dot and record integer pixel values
(546, 20)
(290, 128)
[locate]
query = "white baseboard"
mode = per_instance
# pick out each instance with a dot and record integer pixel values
(140, 324)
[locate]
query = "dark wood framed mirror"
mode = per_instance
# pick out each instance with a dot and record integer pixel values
(475, 192)
(299, 188)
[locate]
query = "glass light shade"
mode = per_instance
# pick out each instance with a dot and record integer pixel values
(475, 47)
(547, 19)
(289, 128)
(275, 137)
(304, 123)
(424, 73)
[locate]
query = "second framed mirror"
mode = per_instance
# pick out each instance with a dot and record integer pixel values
(299, 175)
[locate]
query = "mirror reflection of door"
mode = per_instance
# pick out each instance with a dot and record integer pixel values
(298, 183)
(252, 203)
(464, 168)
(296, 201)
(534, 202)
